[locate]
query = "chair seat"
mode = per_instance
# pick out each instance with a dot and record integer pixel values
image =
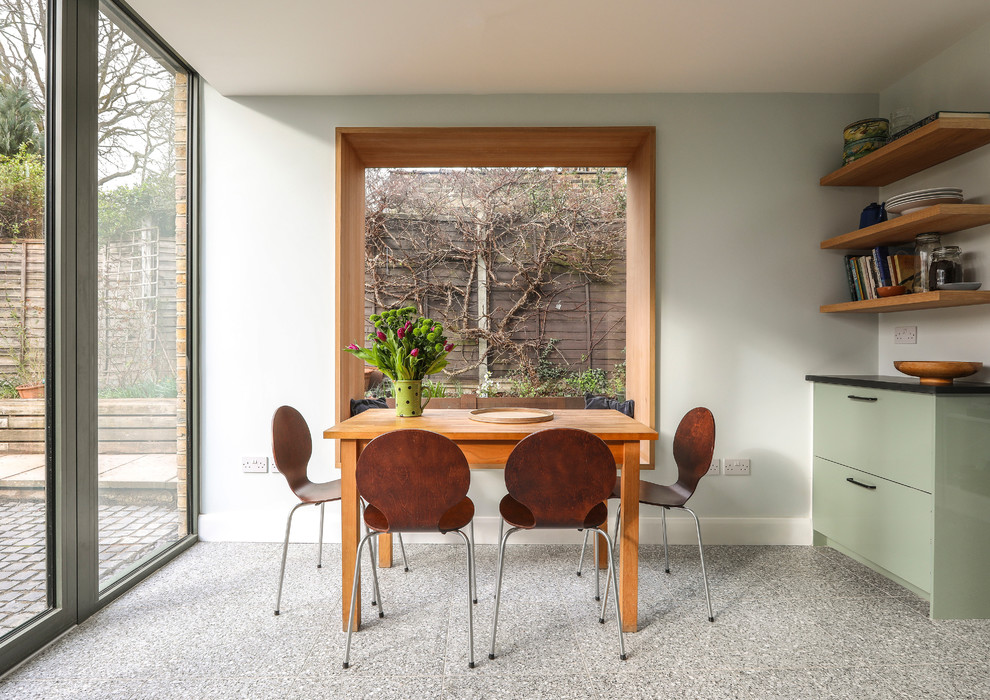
(454, 519)
(656, 494)
(318, 493)
(518, 515)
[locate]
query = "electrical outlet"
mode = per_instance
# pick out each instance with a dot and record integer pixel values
(736, 467)
(715, 468)
(905, 335)
(254, 465)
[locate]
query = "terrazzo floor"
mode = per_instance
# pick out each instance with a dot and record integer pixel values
(791, 622)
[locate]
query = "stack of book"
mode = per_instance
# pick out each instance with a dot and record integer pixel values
(884, 267)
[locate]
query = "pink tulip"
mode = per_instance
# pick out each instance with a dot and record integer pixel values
(400, 333)
(414, 352)
(448, 347)
(352, 346)
(381, 336)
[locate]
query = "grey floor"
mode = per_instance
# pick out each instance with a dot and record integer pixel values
(791, 622)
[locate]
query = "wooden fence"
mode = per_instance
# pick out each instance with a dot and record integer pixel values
(126, 426)
(22, 310)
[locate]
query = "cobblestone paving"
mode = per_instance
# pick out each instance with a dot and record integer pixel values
(127, 532)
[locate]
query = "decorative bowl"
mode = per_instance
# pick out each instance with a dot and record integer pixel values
(867, 128)
(858, 149)
(961, 286)
(937, 373)
(894, 291)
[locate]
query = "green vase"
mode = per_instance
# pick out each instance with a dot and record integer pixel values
(408, 395)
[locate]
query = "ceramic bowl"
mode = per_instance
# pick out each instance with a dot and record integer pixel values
(858, 149)
(866, 129)
(894, 291)
(938, 373)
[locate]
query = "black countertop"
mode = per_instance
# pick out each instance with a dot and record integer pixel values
(912, 384)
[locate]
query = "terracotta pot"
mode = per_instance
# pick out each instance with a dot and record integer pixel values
(31, 391)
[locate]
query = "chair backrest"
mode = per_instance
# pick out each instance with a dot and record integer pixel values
(413, 477)
(292, 446)
(560, 474)
(694, 445)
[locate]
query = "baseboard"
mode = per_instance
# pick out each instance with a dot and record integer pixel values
(268, 526)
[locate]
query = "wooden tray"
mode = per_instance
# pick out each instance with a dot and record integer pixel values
(511, 415)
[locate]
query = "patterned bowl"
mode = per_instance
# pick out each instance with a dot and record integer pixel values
(858, 149)
(866, 129)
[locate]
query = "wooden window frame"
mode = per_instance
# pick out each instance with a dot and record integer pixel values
(633, 148)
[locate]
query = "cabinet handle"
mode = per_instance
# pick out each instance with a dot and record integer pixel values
(860, 483)
(861, 398)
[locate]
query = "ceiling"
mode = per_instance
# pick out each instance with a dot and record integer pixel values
(394, 47)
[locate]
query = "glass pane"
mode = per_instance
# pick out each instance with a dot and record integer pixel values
(24, 511)
(141, 297)
(523, 267)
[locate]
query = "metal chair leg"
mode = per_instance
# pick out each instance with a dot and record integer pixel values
(373, 560)
(474, 573)
(598, 587)
(469, 545)
(402, 547)
(618, 512)
(498, 585)
(663, 527)
(612, 579)
(584, 548)
(704, 573)
(285, 551)
(354, 594)
(319, 556)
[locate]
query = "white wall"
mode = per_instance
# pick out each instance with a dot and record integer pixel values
(740, 216)
(956, 79)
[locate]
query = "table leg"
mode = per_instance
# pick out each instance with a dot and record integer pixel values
(350, 529)
(629, 541)
(385, 551)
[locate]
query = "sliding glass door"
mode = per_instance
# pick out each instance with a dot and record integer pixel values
(96, 178)
(26, 494)
(141, 293)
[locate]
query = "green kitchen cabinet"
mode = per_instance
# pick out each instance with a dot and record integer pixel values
(901, 482)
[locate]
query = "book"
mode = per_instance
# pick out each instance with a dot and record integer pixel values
(937, 115)
(854, 266)
(863, 263)
(850, 278)
(880, 261)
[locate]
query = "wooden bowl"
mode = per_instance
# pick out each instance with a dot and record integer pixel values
(894, 291)
(938, 373)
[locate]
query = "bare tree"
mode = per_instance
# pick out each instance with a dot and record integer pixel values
(492, 251)
(135, 89)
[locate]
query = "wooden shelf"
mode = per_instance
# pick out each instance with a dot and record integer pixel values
(940, 218)
(934, 143)
(909, 302)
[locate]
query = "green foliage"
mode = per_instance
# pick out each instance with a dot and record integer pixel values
(8, 389)
(162, 389)
(151, 203)
(590, 381)
(404, 346)
(22, 195)
(18, 121)
(433, 390)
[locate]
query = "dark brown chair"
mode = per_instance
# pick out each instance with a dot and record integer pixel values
(292, 446)
(414, 481)
(557, 478)
(694, 445)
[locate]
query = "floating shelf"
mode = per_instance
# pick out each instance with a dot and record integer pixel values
(940, 218)
(934, 143)
(909, 302)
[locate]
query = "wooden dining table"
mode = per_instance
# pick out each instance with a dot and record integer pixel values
(487, 446)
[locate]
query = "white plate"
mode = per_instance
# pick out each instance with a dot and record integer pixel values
(915, 205)
(932, 190)
(906, 198)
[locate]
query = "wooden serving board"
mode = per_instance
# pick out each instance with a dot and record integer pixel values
(511, 415)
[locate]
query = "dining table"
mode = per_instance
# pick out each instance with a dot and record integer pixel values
(487, 446)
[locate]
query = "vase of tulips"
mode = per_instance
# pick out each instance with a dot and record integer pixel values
(405, 348)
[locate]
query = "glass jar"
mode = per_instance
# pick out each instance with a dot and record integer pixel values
(946, 267)
(924, 245)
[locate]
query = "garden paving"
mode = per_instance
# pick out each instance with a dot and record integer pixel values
(127, 532)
